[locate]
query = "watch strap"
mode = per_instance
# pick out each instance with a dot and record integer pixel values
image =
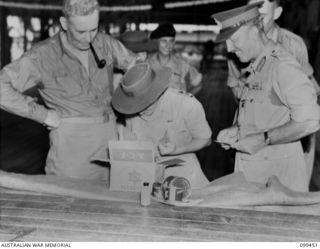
(267, 139)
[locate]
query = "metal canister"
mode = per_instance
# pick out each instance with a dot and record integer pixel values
(156, 190)
(175, 188)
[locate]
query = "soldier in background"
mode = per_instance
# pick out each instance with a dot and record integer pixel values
(184, 76)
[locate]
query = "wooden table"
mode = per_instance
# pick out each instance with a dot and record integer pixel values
(28, 216)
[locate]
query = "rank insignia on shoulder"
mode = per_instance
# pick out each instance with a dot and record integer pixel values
(261, 64)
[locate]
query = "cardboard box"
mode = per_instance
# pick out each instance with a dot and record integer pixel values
(132, 163)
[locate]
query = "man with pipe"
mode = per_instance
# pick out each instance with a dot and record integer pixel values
(74, 69)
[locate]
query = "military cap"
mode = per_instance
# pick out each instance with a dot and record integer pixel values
(138, 41)
(231, 20)
(163, 30)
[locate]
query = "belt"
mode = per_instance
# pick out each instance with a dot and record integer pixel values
(87, 120)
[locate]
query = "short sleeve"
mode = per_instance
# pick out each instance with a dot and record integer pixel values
(297, 92)
(123, 58)
(195, 118)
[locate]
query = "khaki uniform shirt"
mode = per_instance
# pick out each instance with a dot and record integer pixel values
(65, 85)
(183, 74)
(294, 44)
(276, 92)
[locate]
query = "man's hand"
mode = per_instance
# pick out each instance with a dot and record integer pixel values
(166, 148)
(251, 144)
(52, 120)
(228, 137)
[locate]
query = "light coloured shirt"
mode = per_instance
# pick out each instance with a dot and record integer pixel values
(294, 44)
(65, 84)
(179, 117)
(276, 92)
(183, 74)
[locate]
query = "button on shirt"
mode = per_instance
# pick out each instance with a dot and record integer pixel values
(65, 84)
(183, 73)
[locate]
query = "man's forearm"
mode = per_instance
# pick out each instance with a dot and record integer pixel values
(292, 131)
(15, 102)
(195, 145)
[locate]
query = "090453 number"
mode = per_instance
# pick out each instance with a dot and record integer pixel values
(309, 245)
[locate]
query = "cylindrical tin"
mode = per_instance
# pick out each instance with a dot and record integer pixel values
(156, 190)
(175, 188)
(173, 194)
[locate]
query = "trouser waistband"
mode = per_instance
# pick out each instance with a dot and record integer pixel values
(87, 120)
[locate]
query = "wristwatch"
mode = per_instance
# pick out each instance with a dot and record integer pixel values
(267, 139)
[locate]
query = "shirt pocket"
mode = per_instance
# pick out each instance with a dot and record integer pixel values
(67, 85)
(260, 108)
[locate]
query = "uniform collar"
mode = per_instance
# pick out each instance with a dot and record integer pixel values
(273, 33)
(63, 50)
(257, 65)
(158, 112)
(157, 59)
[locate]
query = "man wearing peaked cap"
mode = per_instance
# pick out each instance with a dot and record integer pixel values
(184, 76)
(270, 11)
(231, 20)
(174, 121)
(229, 26)
(277, 104)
